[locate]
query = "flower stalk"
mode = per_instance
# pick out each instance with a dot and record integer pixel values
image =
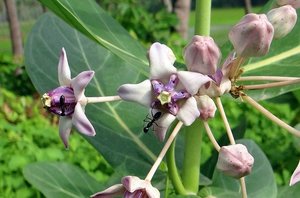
(271, 116)
(192, 157)
(270, 85)
(163, 151)
(202, 17)
(267, 78)
(102, 99)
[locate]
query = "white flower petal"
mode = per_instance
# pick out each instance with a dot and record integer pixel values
(161, 126)
(192, 81)
(64, 73)
(188, 112)
(133, 183)
(110, 192)
(140, 93)
(80, 82)
(81, 122)
(161, 60)
(296, 175)
(152, 192)
(65, 126)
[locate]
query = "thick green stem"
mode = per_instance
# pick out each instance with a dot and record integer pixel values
(202, 17)
(192, 157)
(173, 172)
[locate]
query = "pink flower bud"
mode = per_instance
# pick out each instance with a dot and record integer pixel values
(235, 161)
(294, 3)
(252, 36)
(283, 20)
(206, 107)
(202, 55)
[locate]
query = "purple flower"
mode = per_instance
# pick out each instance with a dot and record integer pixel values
(131, 187)
(167, 90)
(68, 100)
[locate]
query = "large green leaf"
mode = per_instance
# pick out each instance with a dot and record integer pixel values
(261, 181)
(118, 124)
(90, 19)
(61, 180)
(289, 191)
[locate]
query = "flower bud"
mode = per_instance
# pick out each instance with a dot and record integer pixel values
(235, 161)
(206, 107)
(60, 101)
(202, 55)
(283, 20)
(252, 36)
(294, 3)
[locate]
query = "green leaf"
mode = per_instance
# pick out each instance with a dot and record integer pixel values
(118, 124)
(90, 19)
(289, 191)
(282, 60)
(261, 181)
(208, 192)
(61, 180)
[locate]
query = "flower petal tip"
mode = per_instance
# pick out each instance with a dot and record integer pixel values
(296, 176)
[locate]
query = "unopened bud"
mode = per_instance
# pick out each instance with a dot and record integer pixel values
(294, 3)
(235, 161)
(206, 107)
(202, 55)
(252, 36)
(283, 20)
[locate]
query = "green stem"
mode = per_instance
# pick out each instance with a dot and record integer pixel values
(202, 17)
(173, 172)
(192, 157)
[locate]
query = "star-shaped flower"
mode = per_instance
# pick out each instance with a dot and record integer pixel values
(167, 90)
(68, 100)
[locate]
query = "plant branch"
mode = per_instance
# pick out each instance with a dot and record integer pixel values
(211, 136)
(269, 115)
(270, 78)
(270, 85)
(102, 99)
(163, 151)
(224, 118)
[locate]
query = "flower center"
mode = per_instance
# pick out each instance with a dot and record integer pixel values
(60, 101)
(166, 94)
(164, 97)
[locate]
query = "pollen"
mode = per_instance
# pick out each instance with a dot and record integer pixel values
(46, 100)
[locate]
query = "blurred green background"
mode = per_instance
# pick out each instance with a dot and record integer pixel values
(28, 133)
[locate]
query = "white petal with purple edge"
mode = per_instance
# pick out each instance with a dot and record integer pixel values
(65, 126)
(192, 81)
(188, 112)
(140, 93)
(161, 60)
(64, 73)
(80, 82)
(110, 192)
(81, 122)
(161, 126)
(296, 175)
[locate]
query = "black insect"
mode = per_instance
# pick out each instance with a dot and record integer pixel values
(150, 121)
(62, 105)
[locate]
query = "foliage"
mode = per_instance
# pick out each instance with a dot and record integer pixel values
(143, 25)
(27, 135)
(101, 44)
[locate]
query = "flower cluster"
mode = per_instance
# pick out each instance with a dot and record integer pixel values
(182, 95)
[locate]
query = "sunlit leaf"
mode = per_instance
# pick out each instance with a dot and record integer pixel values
(90, 19)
